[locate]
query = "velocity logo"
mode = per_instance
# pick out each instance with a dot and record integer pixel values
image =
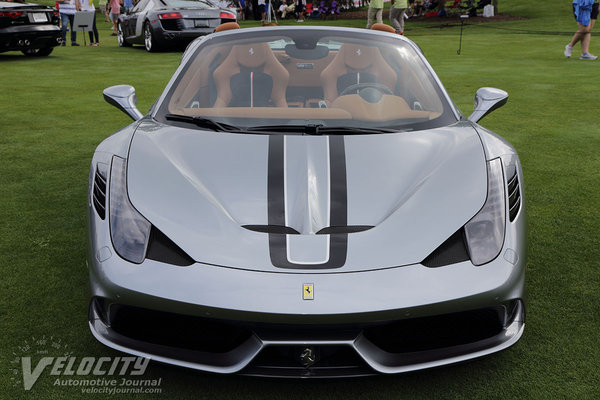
(28, 365)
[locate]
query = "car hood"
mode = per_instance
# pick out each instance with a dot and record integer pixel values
(304, 203)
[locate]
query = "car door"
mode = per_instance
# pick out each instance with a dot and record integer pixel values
(131, 20)
(141, 17)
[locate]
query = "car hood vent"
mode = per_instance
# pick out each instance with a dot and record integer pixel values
(514, 197)
(286, 230)
(99, 193)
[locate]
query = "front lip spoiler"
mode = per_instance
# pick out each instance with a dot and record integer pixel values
(237, 359)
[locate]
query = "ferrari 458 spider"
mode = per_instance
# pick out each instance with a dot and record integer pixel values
(306, 201)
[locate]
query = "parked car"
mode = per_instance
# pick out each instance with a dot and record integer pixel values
(30, 28)
(306, 201)
(158, 24)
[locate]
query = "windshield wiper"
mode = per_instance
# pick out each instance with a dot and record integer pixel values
(203, 123)
(318, 129)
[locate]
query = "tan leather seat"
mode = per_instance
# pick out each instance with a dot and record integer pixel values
(359, 60)
(254, 60)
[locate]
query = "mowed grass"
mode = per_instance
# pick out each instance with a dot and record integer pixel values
(53, 115)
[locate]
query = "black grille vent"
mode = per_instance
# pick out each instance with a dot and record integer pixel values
(514, 197)
(171, 25)
(99, 193)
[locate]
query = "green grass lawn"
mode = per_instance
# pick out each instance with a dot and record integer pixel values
(53, 116)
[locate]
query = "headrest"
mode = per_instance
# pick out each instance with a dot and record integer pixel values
(383, 27)
(251, 55)
(227, 26)
(356, 56)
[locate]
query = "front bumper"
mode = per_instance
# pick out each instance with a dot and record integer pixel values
(278, 349)
(359, 323)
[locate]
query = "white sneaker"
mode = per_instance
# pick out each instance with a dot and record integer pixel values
(588, 56)
(568, 51)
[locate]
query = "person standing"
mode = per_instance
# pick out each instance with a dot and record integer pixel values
(67, 10)
(115, 11)
(88, 6)
(586, 13)
(397, 14)
(262, 9)
(300, 10)
(375, 11)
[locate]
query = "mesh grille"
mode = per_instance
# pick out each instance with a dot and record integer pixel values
(437, 332)
(171, 25)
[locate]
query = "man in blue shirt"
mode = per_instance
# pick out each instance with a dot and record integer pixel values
(128, 5)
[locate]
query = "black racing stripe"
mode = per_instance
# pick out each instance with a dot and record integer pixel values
(275, 182)
(338, 243)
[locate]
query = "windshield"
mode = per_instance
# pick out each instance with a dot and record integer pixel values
(310, 77)
(189, 3)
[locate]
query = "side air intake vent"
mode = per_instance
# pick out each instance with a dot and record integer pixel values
(514, 197)
(99, 192)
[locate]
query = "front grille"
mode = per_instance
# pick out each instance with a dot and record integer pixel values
(437, 332)
(514, 197)
(176, 330)
(99, 191)
(290, 361)
(171, 24)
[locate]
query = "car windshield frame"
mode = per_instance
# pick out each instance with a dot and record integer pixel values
(190, 3)
(326, 113)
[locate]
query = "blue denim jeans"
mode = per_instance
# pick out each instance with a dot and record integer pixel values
(68, 18)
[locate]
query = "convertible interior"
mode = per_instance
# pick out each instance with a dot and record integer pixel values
(329, 80)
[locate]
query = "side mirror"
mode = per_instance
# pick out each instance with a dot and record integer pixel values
(123, 97)
(487, 99)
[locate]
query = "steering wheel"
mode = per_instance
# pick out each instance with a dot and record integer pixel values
(372, 96)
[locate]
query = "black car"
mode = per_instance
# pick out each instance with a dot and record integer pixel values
(30, 28)
(166, 23)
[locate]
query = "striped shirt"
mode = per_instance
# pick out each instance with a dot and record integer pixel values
(67, 7)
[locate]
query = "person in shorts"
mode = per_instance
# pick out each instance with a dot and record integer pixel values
(586, 14)
(114, 10)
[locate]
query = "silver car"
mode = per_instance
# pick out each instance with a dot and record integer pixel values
(306, 201)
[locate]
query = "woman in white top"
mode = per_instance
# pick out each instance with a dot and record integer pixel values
(88, 5)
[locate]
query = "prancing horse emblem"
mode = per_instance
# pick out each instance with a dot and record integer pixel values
(308, 357)
(308, 291)
(251, 51)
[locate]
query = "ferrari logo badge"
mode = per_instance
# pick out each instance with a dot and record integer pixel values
(308, 291)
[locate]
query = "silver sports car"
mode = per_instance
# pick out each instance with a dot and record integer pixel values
(306, 201)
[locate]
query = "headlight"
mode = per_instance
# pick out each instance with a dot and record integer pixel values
(129, 230)
(485, 231)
